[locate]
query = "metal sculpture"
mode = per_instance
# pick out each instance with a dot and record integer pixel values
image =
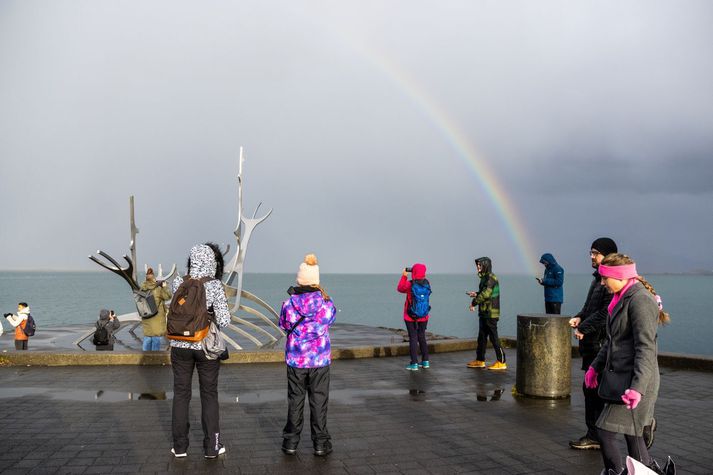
(243, 231)
(129, 273)
(233, 278)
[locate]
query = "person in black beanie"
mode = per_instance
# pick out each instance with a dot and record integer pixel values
(590, 330)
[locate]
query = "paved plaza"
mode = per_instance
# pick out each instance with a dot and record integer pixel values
(383, 419)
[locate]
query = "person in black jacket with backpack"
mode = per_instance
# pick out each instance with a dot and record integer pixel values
(104, 334)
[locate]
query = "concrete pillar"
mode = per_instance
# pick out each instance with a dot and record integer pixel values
(544, 356)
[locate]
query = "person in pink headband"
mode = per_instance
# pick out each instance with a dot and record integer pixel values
(627, 362)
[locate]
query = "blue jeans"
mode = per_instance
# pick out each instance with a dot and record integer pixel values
(152, 343)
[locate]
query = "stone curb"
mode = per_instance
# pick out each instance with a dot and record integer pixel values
(46, 358)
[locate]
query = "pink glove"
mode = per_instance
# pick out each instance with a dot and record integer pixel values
(590, 378)
(631, 398)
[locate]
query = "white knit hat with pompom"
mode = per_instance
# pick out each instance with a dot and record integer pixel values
(308, 274)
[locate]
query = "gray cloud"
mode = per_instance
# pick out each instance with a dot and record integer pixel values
(100, 101)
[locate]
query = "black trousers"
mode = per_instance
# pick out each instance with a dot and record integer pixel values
(416, 339)
(593, 404)
(488, 328)
(21, 344)
(553, 308)
(183, 361)
(610, 450)
(315, 381)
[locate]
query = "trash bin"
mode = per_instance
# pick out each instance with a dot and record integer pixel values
(544, 356)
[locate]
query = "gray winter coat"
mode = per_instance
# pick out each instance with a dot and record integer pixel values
(631, 347)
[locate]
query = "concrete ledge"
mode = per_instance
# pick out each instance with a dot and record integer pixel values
(46, 358)
(99, 358)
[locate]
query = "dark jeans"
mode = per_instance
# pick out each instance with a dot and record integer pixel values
(553, 308)
(416, 339)
(183, 361)
(488, 328)
(21, 344)
(610, 450)
(316, 382)
(593, 404)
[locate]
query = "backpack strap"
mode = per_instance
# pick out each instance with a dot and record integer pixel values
(302, 317)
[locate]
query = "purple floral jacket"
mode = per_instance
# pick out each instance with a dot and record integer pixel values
(308, 345)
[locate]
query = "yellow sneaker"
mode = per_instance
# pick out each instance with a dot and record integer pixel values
(498, 366)
(476, 364)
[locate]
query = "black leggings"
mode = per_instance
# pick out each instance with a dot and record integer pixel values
(610, 450)
(417, 339)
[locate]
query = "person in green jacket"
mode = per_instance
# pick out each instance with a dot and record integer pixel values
(155, 327)
(487, 299)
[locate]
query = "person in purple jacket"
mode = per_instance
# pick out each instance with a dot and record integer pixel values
(306, 317)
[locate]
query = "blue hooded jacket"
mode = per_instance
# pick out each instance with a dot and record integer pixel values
(553, 279)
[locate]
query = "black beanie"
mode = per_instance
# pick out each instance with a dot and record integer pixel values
(604, 245)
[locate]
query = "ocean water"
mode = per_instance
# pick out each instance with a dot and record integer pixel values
(61, 298)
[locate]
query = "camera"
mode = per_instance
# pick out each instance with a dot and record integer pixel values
(408, 269)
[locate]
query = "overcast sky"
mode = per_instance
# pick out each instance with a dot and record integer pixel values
(596, 118)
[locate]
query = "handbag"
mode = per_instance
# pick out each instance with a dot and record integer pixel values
(214, 346)
(613, 385)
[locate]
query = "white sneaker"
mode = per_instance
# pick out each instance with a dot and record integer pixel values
(221, 451)
(179, 456)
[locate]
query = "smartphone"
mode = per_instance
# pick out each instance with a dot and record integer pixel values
(408, 269)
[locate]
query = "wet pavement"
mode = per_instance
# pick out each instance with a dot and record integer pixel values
(383, 419)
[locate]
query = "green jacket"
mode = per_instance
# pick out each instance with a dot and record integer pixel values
(488, 298)
(156, 325)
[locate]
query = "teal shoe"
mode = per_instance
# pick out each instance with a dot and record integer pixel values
(424, 364)
(412, 367)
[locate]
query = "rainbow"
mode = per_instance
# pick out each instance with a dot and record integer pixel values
(465, 151)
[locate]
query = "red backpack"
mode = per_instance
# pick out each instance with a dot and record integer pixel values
(188, 318)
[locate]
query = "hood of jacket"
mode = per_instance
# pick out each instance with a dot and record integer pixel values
(104, 314)
(202, 262)
(548, 259)
(486, 266)
(418, 271)
(150, 284)
(308, 303)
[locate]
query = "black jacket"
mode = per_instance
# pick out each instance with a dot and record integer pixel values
(593, 319)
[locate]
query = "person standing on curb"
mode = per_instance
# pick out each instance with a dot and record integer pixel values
(202, 284)
(154, 328)
(306, 317)
(416, 313)
(590, 329)
(627, 362)
(20, 323)
(553, 282)
(487, 299)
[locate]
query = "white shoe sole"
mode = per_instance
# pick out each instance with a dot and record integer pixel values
(220, 452)
(179, 456)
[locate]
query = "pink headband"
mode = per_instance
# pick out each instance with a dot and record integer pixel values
(619, 272)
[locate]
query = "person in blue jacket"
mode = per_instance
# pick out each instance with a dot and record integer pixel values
(552, 281)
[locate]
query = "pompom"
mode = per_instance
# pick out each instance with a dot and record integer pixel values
(311, 260)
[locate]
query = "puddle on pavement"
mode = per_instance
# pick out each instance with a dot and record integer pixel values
(342, 396)
(85, 395)
(489, 395)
